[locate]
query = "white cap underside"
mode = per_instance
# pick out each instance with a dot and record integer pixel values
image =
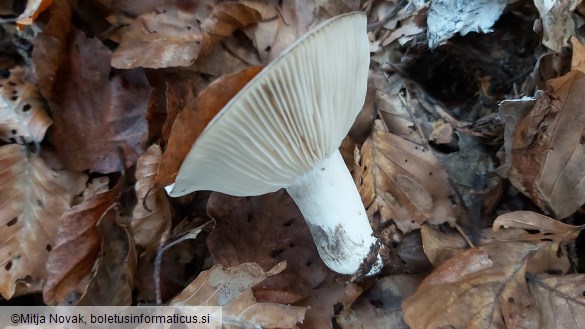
(291, 116)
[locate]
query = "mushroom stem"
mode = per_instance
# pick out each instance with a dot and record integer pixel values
(332, 207)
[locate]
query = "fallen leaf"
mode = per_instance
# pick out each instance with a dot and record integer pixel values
(113, 281)
(98, 118)
(231, 289)
(225, 19)
(222, 61)
(491, 283)
(179, 91)
(263, 34)
(295, 19)
(31, 12)
(559, 300)
(159, 39)
(174, 37)
(266, 230)
(578, 57)
(138, 7)
(322, 304)
(193, 119)
(380, 307)
(441, 246)
(77, 248)
(50, 45)
(487, 282)
(413, 258)
(546, 156)
(148, 226)
(402, 181)
(528, 220)
(34, 197)
(272, 36)
(557, 23)
(22, 114)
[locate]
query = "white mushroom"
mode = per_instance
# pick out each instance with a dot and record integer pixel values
(283, 130)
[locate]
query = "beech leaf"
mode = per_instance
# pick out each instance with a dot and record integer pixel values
(33, 199)
(559, 300)
(22, 115)
(77, 248)
(529, 220)
(174, 37)
(113, 281)
(546, 155)
(557, 23)
(402, 181)
(112, 107)
(148, 226)
(266, 230)
(487, 282)
(231, 289)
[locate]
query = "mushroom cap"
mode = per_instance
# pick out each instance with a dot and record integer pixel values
(287, 119)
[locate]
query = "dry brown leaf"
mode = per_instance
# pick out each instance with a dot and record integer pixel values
(295, 19)
(113, 281)
(528, 220)
(225, 19)
(99, 118)
(411, 254)
(231, 289)
(77, 248)
(32, 10)
(440, 246)
(263, 33)
(322, 304)
(380, 307)
(557, 23)
(578, 58)
(137, 7)
(284, 23)
(33, 199)
(148, 226)
(22, 115)
(193, 119)
(49, 46)
(160, 39)
(551, 257)
(174, 36)
(546, 157)
(402, 181)
(478, 288)
(179, 91)
(559, 300)
(266, 230)
(488, 286)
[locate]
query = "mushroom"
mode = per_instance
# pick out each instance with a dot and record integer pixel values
(283, 130)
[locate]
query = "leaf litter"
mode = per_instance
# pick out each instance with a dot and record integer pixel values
(467, 155)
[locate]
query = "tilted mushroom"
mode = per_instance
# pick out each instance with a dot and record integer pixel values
(283, 130)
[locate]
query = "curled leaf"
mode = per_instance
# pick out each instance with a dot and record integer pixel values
(148, 225)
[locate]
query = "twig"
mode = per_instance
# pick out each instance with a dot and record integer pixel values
(465, 237)
(387, 18)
